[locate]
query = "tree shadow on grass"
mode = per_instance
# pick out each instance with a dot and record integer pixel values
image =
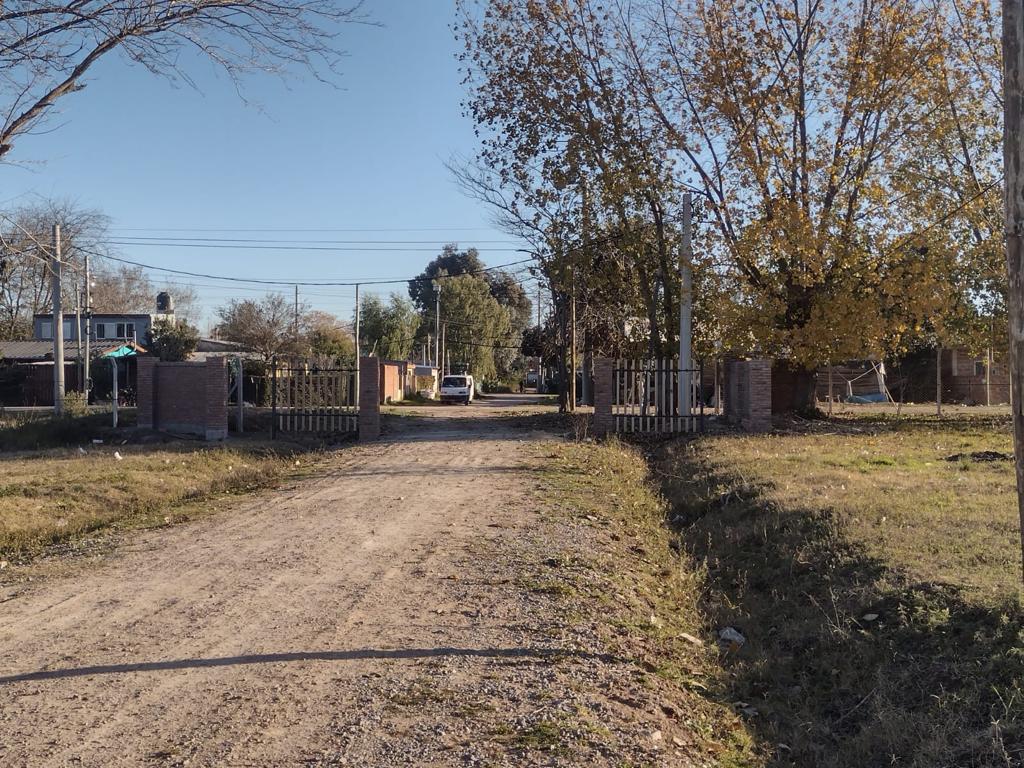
(847, 662)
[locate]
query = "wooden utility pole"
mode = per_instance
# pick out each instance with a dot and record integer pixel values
(572, 340)
(938, 382)
(58, 326)
(685, 307)
(1013, 208)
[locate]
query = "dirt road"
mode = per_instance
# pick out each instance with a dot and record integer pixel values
(372, 616)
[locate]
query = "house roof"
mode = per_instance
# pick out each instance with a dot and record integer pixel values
(219, 345)
(42, 351)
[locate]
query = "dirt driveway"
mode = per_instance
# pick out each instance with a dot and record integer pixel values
(372, 616)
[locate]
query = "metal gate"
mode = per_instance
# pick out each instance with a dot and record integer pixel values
(646, 396)
(306, 398)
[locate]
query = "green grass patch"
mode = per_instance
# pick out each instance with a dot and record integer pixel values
(877, 583)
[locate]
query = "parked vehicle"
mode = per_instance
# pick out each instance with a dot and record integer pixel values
(457, 389)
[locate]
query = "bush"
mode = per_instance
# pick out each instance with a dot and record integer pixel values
(172, 341)
(76, 404)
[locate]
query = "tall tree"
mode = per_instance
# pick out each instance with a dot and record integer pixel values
(388, 328)
(48, 48)
(25, 250)
(451, 261)
(329, 339)
(808, 129)
(478, 330)
(124, 288)
(266, 326)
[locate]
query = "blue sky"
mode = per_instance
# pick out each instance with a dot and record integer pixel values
(368, 155)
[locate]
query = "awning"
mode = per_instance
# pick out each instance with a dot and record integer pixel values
(126, 351)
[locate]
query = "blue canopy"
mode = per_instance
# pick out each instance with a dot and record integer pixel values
(126, 351)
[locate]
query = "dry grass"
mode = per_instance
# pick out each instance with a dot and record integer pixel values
(878, 585)
(892, 488)
(54, 496)
(644, 590)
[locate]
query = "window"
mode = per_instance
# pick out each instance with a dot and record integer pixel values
(101, 330)
(46, 329)
(130, 328)
(69, 328)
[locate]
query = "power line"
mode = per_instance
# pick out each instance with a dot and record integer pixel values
(332, 248)
(293, 241)
(303, 229)
(349, 283)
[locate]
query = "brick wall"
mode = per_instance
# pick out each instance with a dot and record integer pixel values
(369, 398)
(191, 398)
(748, 394)
(604, 421)
(391, 377)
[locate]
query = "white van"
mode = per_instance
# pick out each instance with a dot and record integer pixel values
(457, 389)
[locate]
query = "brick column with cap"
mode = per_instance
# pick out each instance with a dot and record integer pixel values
(604, 421)
(369, 398)
(145, 391)
(758, 414)
(216, 398)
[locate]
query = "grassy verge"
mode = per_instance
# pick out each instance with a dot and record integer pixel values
(33, 431)
(644, 592)
(873, 567)
(56, 497)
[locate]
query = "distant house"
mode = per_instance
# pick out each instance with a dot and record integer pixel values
(105, 327)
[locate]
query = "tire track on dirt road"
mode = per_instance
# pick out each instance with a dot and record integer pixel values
(384, 613)
(356, 560)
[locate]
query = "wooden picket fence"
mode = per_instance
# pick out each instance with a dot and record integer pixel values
(305, 399)
(646, 397)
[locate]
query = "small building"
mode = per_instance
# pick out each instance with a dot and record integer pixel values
(26, 370)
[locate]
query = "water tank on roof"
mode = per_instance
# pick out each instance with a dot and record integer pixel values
(164, 303)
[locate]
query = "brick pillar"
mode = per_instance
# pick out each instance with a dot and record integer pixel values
(759, 396)
(604, 421)
(216, 398)
(145, 391)
(369, 398)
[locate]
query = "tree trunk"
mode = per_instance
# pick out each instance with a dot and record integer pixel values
(804, 389)
(563, 352)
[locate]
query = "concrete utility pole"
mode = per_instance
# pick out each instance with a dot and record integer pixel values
(88, 329)
(358, 352)
(296, 329)
(78, 337)
(58, 326)
(437, 328)
(686, 306)
(1013, 206)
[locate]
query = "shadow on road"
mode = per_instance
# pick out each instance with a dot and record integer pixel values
(536, 654)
